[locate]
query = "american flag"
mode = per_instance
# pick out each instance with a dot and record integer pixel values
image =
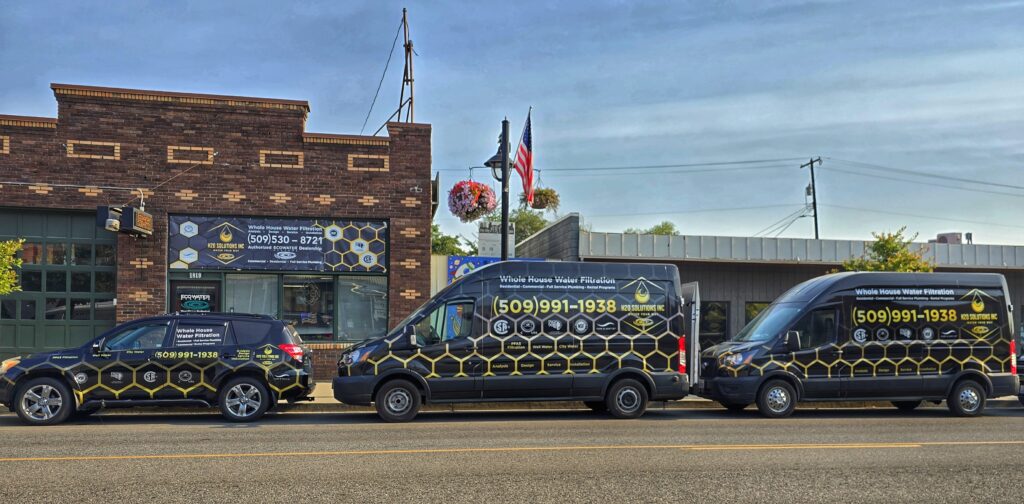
(524, 159)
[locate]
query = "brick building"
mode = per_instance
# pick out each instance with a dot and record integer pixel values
(251, 213)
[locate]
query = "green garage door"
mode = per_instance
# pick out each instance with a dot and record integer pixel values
(67, 280)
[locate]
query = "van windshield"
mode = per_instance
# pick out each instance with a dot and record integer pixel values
(770, 323)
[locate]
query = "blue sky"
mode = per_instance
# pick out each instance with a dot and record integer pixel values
(936, 87)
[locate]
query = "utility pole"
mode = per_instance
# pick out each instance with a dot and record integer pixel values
(503, 152)
(814, 193)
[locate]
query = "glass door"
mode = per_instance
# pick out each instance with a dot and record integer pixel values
(308, 304)
(192, 296)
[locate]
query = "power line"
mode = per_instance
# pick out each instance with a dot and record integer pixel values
(701, 210)
(649, 167)
(671, 172)
(931, 217)
(960, 188)
(386, 65)
(924, 174)
(786, 221)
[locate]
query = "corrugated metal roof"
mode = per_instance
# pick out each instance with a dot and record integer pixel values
(595, 245)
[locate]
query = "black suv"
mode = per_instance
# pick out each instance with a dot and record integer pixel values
(242, 363)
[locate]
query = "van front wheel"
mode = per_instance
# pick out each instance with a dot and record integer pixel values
(776, 399)
(626, 399)
(967, 399)
(397, 401)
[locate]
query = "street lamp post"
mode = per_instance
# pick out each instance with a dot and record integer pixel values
(498, 162)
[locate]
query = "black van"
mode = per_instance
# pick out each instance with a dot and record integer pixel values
(243, 363)
(900, 337)
(611, 335)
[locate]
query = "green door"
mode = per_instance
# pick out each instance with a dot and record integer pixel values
(68, 281)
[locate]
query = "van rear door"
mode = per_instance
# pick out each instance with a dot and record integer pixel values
(690, 307)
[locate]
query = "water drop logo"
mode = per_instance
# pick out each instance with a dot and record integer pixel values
(225, 234)
(642, 294)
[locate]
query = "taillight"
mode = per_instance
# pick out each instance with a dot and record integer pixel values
(682, 354)
(295, 351)
(1013, 357)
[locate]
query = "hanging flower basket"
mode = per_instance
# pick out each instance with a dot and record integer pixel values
(470, 200)
(544, 198)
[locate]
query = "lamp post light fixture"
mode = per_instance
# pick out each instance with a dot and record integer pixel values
(499, 166)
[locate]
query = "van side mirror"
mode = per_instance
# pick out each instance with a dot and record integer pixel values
(97, 346)
(792, 341)
(410, 332)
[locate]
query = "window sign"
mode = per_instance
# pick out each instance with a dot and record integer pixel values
(256, 243)
(187, 335)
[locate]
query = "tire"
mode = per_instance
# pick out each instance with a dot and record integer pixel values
(596, 406)
(776, 399)
(627, 398)
(44, 401)
(733, 407)
(398, 401)
(906, 406)
(243, 399)
(967, 399)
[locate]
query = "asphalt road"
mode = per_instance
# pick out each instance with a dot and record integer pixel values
(551, 456)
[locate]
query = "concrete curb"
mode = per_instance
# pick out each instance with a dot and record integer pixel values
(336, 407)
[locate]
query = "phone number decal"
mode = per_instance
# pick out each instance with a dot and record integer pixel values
(533, 306)
(887, 315)
(186, 355)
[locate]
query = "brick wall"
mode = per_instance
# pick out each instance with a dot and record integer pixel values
(104, 141)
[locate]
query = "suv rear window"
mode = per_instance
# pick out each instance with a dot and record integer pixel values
(249, 332)
(291, 335)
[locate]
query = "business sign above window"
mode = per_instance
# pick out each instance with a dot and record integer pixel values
(257, 243)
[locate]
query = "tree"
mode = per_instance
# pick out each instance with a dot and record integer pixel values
(661, 228)
(9, 262)
(526, 221)
(891, 252)
(445, 244)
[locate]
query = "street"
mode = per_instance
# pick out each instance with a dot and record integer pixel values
(540, 456)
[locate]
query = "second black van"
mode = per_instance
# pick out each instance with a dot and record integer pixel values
(899, 337)
(608, 334)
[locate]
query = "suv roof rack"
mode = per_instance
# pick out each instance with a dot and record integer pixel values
(221, 314)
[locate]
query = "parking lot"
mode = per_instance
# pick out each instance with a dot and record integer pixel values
(565, 456)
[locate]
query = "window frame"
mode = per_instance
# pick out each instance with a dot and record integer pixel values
(726, 325)
(833, 339)
(105, 340)
(440, 311)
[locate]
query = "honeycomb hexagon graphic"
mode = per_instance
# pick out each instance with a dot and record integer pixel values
(188, 229)
(188, 255)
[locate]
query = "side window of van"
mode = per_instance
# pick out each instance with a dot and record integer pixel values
(817, 328)
(447, 322)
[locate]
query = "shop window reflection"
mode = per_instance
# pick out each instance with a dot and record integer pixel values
(308, 304)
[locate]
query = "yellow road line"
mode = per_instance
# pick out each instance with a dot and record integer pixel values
(515, 449)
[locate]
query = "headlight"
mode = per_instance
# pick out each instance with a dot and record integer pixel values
(357, 356)
(6, 365)
(737, 359)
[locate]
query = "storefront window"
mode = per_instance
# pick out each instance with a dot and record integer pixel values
(362, 307)
(714, 322)
(308, 304)
(251, 294)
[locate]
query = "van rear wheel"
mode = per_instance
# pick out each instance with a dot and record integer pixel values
(776, 399)
(967, 399)
(626, 398)
(906, 406)
(398, 401)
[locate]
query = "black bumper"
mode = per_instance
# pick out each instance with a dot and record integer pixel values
(6, 391)
(1006, 385)
(670, 386)
(733, 390)
(356, 390)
